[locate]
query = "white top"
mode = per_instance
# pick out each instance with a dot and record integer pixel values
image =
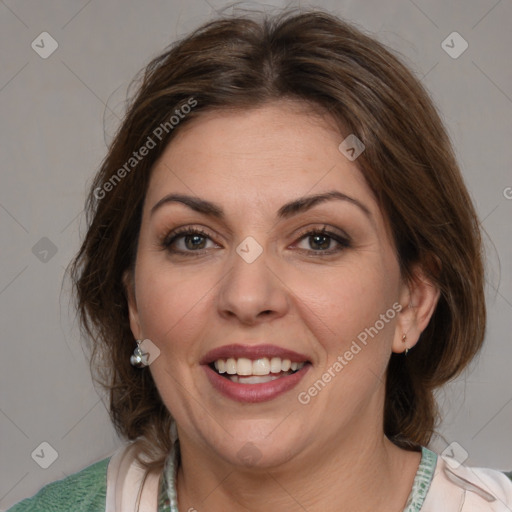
(467, 489)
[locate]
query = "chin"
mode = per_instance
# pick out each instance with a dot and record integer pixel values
(249, 449)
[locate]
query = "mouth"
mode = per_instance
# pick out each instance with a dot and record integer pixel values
(246, 371)
(254, 373)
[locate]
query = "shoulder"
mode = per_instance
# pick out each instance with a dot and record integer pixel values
(81, 491)
(467, 489)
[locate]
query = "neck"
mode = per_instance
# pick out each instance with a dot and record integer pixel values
(372, 474)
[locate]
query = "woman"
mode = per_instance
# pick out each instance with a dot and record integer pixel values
(282, 264)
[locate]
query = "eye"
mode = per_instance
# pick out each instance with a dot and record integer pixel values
(187, 240)
(323, 241)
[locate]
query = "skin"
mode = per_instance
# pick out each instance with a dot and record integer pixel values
(330, 454)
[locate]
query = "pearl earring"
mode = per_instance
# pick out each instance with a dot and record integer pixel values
(139, 359)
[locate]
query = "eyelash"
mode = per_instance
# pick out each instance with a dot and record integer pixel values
(343, 242)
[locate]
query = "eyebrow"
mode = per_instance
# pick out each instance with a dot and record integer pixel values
(299, 205)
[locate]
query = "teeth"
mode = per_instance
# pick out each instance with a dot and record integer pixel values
(231, 366)
(261, 366)
(275, 365)
(254, 379)
(245, 367)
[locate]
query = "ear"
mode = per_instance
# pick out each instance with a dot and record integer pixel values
(418, 298)
(129, 289)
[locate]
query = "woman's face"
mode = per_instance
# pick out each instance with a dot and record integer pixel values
(258, 289)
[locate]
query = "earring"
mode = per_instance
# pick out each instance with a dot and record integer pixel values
(139, 359)
(404, 338)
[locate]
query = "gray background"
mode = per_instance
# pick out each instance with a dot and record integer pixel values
(53, 112)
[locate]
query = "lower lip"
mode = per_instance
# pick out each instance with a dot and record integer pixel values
(254, 393)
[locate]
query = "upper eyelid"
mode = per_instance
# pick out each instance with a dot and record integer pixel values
(183, 230)
(328, 230)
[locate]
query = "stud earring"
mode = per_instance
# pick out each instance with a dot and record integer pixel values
(139, 359)
(404, 338)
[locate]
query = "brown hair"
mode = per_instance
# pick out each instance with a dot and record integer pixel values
(408, 162)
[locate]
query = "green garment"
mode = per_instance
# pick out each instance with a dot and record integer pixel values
(85, 491)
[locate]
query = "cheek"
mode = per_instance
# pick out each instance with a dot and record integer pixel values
(172, 304)
(343, 302)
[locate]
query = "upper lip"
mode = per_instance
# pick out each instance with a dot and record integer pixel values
(252, 352)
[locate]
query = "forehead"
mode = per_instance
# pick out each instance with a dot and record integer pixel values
(267, 154)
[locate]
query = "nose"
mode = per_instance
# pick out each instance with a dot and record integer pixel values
(252, 292)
